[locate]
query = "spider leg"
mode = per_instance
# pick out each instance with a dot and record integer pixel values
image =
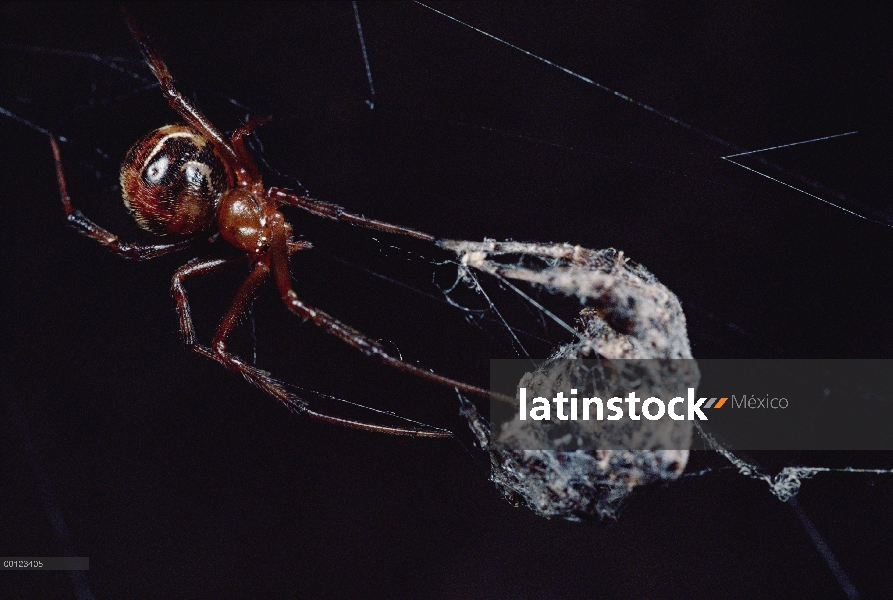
(238, 144)
(177, 101)
(348, 334)
(218, 352)
(194, 267)
(90, 229)
(338, 213)
(260, 378)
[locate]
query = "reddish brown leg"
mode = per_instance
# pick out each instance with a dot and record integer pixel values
(90, 229)
(338, 213)
(348, 334)
(237, 307)
(238, 143)
(177, 101)
(260, 378)
(191, 269)
(218, 353)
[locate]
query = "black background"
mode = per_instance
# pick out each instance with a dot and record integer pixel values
(178, 479)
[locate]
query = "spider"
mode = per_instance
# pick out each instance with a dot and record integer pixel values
(190, 182)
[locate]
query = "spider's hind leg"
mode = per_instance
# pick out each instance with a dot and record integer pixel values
(90, 229)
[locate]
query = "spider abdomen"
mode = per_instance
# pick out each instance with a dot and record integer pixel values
(172, 180)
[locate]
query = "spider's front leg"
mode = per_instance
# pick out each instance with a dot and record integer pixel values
(338, 213)
(90, 229)
(347, 334)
